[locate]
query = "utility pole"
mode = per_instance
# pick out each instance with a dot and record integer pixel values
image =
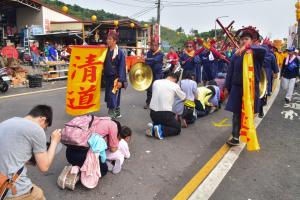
(297, 5)
(158, 20)
(158, 12)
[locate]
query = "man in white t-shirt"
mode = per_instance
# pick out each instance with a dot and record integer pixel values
(161, 105)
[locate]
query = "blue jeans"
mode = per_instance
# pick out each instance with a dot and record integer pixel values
(35, 58)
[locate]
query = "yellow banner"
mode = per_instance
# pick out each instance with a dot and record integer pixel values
(248, 130)
(84, 79)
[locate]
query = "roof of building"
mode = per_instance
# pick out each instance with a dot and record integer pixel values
(125, 21)
(60, 11)
(37, 4)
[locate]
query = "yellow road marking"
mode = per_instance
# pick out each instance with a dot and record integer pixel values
(36, 92)
(221, 123)
(193, 184)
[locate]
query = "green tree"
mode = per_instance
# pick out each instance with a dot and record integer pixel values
(168, 35)
(180, 30)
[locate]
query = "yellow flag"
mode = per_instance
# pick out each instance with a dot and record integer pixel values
(248, 130)
(84, 79)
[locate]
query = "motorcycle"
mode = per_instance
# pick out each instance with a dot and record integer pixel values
(5, 80)
(168, 67)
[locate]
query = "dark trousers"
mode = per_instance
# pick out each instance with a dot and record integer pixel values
(188, 115)
(76, 157)
(149, 95)
(112, 100)
(198, 73)
(170, 126)
(172, 67)
(201, 112)
(236, 125)
(149, 90)
(263, 102)
(269, 73)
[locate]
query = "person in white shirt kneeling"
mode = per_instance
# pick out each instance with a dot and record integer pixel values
(161, 105)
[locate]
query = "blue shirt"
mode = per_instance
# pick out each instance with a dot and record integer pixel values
(189, 65)
(290, 73)
(270, 62)
(155, 61)
(115, 67)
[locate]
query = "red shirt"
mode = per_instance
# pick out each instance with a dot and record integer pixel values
(35, 49)
(174, 57)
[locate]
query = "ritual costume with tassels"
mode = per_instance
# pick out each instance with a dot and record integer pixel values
(270, 65)
(188, 59)
(280, 56)
(208, 66)
(271, 68)
(114, 71)
(155, 61)
(235, 83)
(222, 68)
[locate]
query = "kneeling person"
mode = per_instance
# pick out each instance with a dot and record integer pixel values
(116, 159)
(20, 139)
(189, 87)
(203, 101)
(164, 93)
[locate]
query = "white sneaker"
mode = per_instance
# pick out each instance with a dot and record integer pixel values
(158, 132)
(61, 181)
(71, 181)
(110, 166)
(117, 168)
(149, 130)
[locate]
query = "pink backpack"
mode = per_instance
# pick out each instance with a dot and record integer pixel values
(78, 130)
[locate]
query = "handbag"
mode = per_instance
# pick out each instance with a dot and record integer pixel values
(7, 184)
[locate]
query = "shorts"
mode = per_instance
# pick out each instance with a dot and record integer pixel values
(35, 193)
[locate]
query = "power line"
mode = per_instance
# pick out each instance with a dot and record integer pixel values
(215, 4)
(205, 3)
(194, 2)
(124, 4)
(143, 12)
(144, 1)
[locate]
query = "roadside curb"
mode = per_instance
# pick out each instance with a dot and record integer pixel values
(208, 178)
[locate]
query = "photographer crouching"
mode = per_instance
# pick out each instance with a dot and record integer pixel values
(22, 138)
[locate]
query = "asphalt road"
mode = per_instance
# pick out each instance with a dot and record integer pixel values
(273, 173)
(159, 169)
(156, 170)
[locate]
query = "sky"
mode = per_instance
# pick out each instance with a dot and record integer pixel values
(271, 17)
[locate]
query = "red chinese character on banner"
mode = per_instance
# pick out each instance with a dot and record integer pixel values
(74, 66)
(86, 98)
(90, 68)
(89, 74)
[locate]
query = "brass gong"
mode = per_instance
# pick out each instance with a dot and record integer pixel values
(263, 83)
(140, 76)
(274, 84)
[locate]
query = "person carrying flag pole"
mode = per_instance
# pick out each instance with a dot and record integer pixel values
(189, 60)
(244, 70)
